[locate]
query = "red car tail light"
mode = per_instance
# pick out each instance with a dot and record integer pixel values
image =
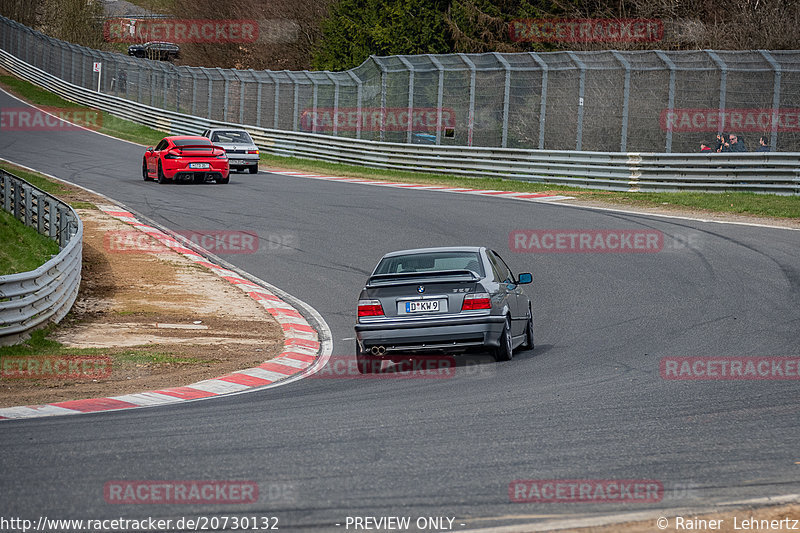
(479, 300)
(370, 308)
(172, 155)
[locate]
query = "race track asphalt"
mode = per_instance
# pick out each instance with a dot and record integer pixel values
(588, 403)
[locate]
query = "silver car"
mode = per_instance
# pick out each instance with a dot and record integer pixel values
(433, 300)
(239, 146)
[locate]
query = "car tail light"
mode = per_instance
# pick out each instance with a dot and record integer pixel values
(172, 155)
(370, 308)
(222, 156)
(479, 300)
(252, 152)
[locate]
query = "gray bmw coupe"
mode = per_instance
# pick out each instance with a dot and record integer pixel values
(434, 300)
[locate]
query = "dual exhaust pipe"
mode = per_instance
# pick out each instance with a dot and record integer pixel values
(378, 350)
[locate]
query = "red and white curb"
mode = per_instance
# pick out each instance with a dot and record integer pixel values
(300, 347)
(526, 196)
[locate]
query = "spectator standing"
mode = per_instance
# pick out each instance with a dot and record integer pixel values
(762, 145)
(735, 145)
(704, 148)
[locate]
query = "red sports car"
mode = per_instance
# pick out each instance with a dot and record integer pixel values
(184, 158)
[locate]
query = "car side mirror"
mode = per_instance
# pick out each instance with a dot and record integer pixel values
(525, 278)
(149, 148)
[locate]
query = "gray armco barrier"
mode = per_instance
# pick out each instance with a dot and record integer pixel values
(29, 300)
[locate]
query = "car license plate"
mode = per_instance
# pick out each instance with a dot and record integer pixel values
(236, 162)
(424, 306)
(198, 165)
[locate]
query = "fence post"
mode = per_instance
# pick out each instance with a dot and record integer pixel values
(277, 98)
(383, 97)
(471, 113)
(439, 98)
(335, 102)
(581, 93)
(296, 84)
(723, 85)
(411, 71)
(776, 99)
(626, 93)
(226, 86)
(506, 96)
(259, 86)
(314, 96)
(543, 102)
(670, 98)
(359, 96)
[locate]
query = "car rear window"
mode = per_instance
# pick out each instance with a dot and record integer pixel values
(431, 262)
(187, 142)
(231, 137)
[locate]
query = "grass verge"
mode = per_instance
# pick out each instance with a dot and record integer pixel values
(23, 248)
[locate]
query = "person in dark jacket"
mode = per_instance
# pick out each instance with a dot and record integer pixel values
(735, 145)
(763, 146)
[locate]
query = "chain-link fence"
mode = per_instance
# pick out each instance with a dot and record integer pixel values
(643, 101)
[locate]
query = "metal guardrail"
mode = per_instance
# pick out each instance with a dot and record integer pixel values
(761, 172)
(29, 300)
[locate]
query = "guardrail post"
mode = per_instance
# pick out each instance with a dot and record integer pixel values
(543, 102)
(723, 85)
(670, 96)
(581, 93)
(626, 93)
(471, 111)
(359, 96)
(776, 99)
(411, 71)
(506, 96)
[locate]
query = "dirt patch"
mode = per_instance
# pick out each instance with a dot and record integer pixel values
(162, 319)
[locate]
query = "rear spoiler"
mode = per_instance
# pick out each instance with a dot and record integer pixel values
(195, 146)
(409, 278)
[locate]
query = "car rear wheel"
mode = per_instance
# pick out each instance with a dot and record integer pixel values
(254, 170)
(161, 178)
(505, 351)
(366, 363)
(529, 331)
(223, 180)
